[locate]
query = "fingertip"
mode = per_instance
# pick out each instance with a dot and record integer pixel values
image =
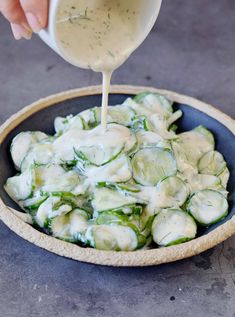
(15, 31)
(20, 31)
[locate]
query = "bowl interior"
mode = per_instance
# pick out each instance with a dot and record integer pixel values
(43, 121)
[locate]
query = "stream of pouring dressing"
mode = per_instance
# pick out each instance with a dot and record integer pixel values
(100, 35)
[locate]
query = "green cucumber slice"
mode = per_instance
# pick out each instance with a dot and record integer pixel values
(71, 226)
(140, 123)
(125, 187)
(150, 165)
(112, 237)
(173, 226)
(160, 125)
(208, 207)
(64, 124)
(88, 117)
(22, 143)
(31, 205)
(40, 154)
(206, 134)
(53, 178)
(199, 182)
(194, 144)
(108, 199)
(173, 192)
(116, 114)
(153, 103)
(224, 177)
(117, 171)
(49, 209)
(184, 165)
(98, 155)
(21, 187)
(113, 217)
(151, 139)
(211, 163)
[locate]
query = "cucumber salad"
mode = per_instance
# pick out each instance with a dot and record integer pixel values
(138, 185)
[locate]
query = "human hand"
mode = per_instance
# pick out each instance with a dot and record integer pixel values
(25, 16)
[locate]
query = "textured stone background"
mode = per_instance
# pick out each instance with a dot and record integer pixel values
(192, 51)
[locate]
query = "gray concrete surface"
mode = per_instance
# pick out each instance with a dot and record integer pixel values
(192, 51)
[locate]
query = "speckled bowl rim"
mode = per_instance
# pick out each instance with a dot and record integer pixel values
(137, 258)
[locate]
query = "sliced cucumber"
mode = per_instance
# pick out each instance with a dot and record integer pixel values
(173, 226)
(118, 170)
(146, 220)
(31, 205)
(118, 218)
(224, 177)
(118, 238)
(40, 154)
(108, 199)
(21, 187)
(160, 126)
(53, 178)
(184, 162)
(148, 138)
(21, 144)
(199, 182)
(173, 192)
(122, 114)
(206, 134)
(64, 124)
(150, 165)
(98, 155)
(212, 163)
(49, 209)
(195, 143)
(119, 215)
(208, 207)
(88, 117)
(151, 139)
(117, 114)
(140, 123)
(153, 103)
(71, 226)
(125, 187)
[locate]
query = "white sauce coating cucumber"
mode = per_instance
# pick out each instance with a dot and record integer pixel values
(22, 143)
(212, 163)
(64, 124)
(173, 226)
(104, 237)
(208, 207)
(21, 187)
(39, 154)
(151, 165)
(71, 226)
(121, 189)
(172, 192)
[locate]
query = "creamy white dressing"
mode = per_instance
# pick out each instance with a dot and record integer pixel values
(116, 171)
(116, 136)
(100, 35)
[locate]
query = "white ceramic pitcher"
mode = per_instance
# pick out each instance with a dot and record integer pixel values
(149, 16)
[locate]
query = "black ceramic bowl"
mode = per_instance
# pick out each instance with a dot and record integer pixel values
(42, 119)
